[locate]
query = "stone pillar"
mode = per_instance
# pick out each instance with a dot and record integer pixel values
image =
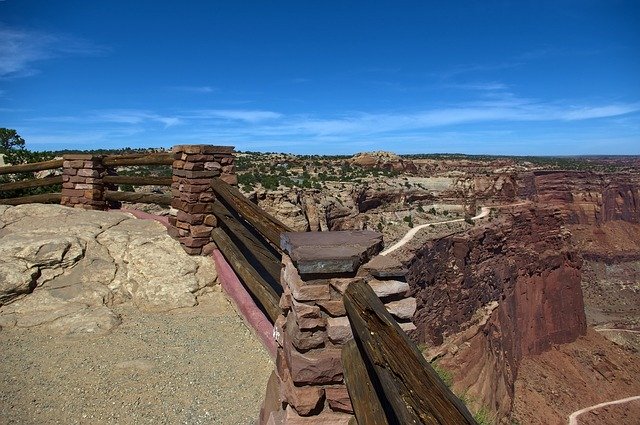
(308, 385)
(194, 167)
(82, 185)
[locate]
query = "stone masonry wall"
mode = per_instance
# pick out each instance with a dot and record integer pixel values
(307, 385)
(82, 185)
(194, 167)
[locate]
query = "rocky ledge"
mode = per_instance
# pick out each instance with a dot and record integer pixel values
(65, 268)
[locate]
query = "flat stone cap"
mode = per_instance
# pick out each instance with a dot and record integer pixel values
(331, 252)
(202, 149)
(384, 266)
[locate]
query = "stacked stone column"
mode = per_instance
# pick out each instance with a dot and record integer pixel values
(308, 386)
(194, 168)
(82, 185)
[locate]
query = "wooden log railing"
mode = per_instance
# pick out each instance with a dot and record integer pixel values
(109, 161)
(31, 167)
(408, 384)
(249, 238)
(267, 225)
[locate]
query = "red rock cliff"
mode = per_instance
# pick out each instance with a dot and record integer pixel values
(495, 294)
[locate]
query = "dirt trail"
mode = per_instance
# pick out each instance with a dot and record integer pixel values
(573, 418)
(198, 365)
(484, 211)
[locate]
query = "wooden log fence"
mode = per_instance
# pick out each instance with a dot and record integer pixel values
(409, 385)
(109, 161)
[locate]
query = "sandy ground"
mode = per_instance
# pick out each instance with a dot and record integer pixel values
(198, 365)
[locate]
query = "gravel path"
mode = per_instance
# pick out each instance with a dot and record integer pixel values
(197, 365)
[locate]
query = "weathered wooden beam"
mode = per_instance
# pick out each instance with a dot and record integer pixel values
(33, 166)
(24, 184)
(139, 159)
(262, 221)
(147, 198)
(260, 289)
(139, 180)
(411, 386)
(365, 401)
(260, 250)
(44, 198)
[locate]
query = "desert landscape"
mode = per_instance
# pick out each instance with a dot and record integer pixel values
(525, 274)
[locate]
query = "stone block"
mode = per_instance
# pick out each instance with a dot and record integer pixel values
(407, 326)
(278, 329)
(69, 171)
(385, 288)
(226, 159)
(286, 301)
(299, 289)
(183, 225)
(87, 172)
(173, 231)
(332, 307)
(188, 196)
(402, 309)
(384, 266)
(304, 399)
(341, 284)
(192, 251)
(178, 164)
(94, 194)
(229, 169)
(190, 218)
(193, 188)
(272, 400)
(193, 174)
(199, 208)
(198, 158)
(331, 252)
(308, 316)
(192, 242)
(212, 165)
(339, 329)
(72, 193)
(321, 366)
(303, 340)
(193, 166)
(73, 164)
(201, 231)
(326, 417)
(338, 398)
(209, 248)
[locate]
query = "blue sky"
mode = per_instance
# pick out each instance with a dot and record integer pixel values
(331, 77)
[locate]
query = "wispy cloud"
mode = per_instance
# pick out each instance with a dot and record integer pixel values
(250, 116)
(133, 116)
(194, 89)
(20, 49)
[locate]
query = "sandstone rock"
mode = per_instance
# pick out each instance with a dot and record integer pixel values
(402, 309)
(62, 268)
(314, 367)
(324, 418)
(384, 288)
(339, 329)
(338, 399)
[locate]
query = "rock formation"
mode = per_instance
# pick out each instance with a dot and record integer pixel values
(383, 160)
(64, 267)
(497, 293)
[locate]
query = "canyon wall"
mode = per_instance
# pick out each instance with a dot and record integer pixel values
(490, 296)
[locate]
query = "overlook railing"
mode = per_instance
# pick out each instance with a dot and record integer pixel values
(340, 311)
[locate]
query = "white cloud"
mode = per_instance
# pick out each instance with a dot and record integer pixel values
(195, 89)
(20, 49)
(250, 116)
(133, 116)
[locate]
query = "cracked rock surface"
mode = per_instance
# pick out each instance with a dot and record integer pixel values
(65, 268)
(106, 320)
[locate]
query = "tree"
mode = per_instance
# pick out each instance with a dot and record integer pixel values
(12, 146)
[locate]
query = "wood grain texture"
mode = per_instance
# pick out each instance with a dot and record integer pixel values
(139, 180)
(262, 221)
(139, 159)
(365, 401)
(411, 386)
(146, 198)
(260, 250)
(24, 184)
(45, 198)
(258, 287)
(34, 166)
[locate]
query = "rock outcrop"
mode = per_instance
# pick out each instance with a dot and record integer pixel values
(64, 268)
(383, 160)
(491, 296)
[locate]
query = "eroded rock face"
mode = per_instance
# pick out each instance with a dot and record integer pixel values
(63, 268)
(383, 160)
(590, 198)
(491, 296)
